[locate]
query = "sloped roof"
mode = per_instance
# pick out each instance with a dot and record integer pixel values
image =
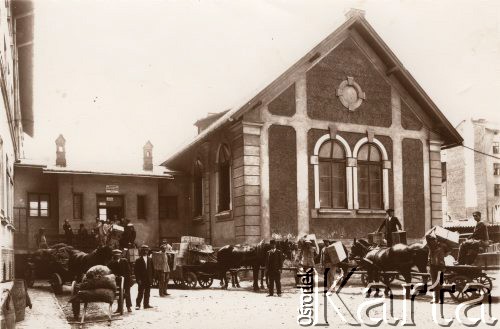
(355, 21)
(157, 172)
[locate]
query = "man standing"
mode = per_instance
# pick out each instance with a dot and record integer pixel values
(164, 271)
(144, 276)
(68, 232)
(470, 248)
(391, 224)
(120, 267)
(326, 263)
(274, 264)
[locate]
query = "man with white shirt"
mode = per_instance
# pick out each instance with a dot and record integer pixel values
(143, 270)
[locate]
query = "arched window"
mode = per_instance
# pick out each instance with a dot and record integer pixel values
(332, 175)
(223, 179)
(197, 189)
(370, 180)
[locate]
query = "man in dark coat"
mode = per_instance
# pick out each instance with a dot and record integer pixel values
(391, 224)
(120, 267)
(274, 264)
(469, 249)
(144, 276)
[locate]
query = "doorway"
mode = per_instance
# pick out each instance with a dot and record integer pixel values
(110, 207)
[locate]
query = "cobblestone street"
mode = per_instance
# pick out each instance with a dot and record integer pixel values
(217, 308)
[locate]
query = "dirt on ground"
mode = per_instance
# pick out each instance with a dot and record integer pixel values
(243, 308)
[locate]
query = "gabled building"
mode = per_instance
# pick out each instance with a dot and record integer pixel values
(326, 148)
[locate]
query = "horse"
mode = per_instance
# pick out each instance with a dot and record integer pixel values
(79, 261)
(399, 257)
(234, 256)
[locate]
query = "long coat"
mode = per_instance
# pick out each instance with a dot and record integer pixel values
(143, 273)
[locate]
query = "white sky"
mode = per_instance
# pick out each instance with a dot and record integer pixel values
(110, 75)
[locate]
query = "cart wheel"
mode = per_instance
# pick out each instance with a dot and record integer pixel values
(190, 279)
(73, 286)
(205, 281)
(178, 283)
(485, 281)
(460, 282)
(56, 283)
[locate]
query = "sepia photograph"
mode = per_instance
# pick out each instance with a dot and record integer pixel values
(213, 164)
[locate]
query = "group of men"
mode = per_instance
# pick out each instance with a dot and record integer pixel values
(145, 270)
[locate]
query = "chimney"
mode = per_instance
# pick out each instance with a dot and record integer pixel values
(60, 151)
(147, 152)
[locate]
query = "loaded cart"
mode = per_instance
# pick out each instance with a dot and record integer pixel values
(194, 262)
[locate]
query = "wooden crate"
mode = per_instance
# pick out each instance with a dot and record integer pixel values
(375, 238)
(450, 237)
(399, 237)
(336, 252)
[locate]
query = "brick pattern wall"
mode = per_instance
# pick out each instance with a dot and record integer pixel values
(284, 104)
(282, 179)
(413, 187)
(409, 120)
(323, 80)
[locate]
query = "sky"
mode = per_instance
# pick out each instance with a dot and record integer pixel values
(110, 75)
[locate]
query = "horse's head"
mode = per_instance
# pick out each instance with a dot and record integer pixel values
(359, 248)
(288, 248)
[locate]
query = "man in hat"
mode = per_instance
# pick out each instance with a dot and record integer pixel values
(274, 265)
(120, 267)
(391, 224)
(143, 270)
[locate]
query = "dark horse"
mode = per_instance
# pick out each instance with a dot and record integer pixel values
(62, 258)
(235, 256)
(400, 258)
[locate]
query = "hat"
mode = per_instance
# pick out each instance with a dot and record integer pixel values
(144, 246)
(308, 241)
(389, 210)
(130, 224)
(272, 241)
(117, 252)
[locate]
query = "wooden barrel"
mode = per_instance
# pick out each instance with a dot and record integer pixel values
(19, 298)
(7, 311)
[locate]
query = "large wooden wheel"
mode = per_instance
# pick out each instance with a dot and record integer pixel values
(205, 281)
(56, 283)
(460, 282)
(190, 279)
(485, 281)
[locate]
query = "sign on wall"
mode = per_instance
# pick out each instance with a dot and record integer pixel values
(112, 189)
